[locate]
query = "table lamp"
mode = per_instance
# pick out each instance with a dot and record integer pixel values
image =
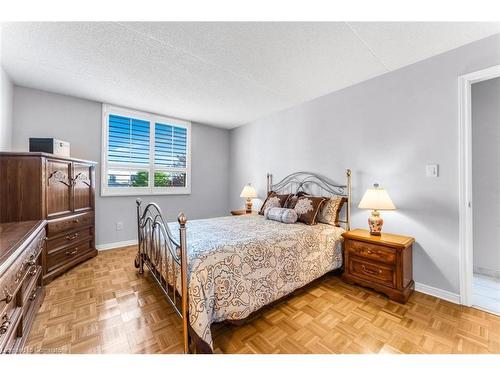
(248, 192)
(376, 199)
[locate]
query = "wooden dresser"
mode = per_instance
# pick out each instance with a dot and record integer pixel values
(37, 186)
(383, 262)
(21, 289)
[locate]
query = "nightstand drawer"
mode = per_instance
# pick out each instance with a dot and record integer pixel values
(371, 251)
(382, 274)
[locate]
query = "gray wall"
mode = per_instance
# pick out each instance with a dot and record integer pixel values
(486, 176)
(5, 111)
(43, 114)
(386, 130)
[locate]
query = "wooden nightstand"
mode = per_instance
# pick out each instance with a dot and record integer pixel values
(243, 212)
(383, 263)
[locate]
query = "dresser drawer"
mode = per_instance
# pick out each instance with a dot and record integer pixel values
(371, 252)
(70, 223)
(13, 279)
(69, 238)
(65, 255)
(9, 325)
(380, 273)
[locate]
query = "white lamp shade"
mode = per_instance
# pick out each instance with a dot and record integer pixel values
(376, 199)
(248, 192)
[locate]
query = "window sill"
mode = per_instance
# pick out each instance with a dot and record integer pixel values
(143, 193)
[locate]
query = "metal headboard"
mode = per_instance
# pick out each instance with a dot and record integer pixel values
(303, 181)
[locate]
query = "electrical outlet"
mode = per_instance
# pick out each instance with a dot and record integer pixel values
(432, 170)
(119, 225)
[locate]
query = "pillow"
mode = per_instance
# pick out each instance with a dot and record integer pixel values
(274, 200)
(292, 199)
(307, 208)
(284, 215)
(329, 213)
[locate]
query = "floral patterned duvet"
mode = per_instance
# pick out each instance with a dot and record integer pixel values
(238, 264)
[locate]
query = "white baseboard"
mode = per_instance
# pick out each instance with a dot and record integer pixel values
(436, 292)
(114, 245)
(487, 271)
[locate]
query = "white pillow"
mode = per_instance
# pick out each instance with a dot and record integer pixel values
(284, 215)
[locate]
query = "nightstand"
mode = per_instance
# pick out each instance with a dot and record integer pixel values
(383, 263)
(243, 212)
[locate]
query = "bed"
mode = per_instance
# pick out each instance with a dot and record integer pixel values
(227, 268)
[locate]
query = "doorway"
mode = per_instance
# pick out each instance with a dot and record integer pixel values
(480, 189)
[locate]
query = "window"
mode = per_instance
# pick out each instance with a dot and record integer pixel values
(144, 153)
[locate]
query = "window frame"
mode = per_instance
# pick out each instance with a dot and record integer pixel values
(108, 109)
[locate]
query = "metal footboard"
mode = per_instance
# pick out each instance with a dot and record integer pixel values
(164, 256)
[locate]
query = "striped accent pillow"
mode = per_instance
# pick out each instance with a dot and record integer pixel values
(284, 215)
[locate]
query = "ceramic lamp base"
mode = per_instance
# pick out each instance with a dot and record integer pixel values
(249, 205)
(375, 223)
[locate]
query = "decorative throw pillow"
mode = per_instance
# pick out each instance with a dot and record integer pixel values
(292, 199)
(329, 213)
(274, 200)
(284, 215)
(307, 208)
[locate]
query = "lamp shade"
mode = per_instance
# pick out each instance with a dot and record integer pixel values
(376, 199)
(248, 192)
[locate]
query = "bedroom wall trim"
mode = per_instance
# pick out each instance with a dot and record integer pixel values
(436, 292)
(465, 177)
(115, 245)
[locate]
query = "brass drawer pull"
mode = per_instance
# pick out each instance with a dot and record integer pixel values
(73, 237)
(371, 271)
(75, 221)
(5, 324)
(19, 275)
(33, 295)
(32, 260)
(368, 251)
(8, 297)
(33, 271)
(72, 252)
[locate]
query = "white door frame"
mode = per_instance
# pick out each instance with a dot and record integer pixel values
(465, 177)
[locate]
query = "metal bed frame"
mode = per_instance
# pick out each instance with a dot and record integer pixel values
(163, 254)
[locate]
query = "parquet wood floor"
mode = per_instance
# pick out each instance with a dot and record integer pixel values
(104, 306)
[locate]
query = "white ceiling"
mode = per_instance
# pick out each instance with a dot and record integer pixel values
(224, 74)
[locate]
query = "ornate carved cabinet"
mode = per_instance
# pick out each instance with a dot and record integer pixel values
(35, 186)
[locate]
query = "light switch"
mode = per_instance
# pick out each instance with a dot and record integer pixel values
(119, 225)
(432, 170)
